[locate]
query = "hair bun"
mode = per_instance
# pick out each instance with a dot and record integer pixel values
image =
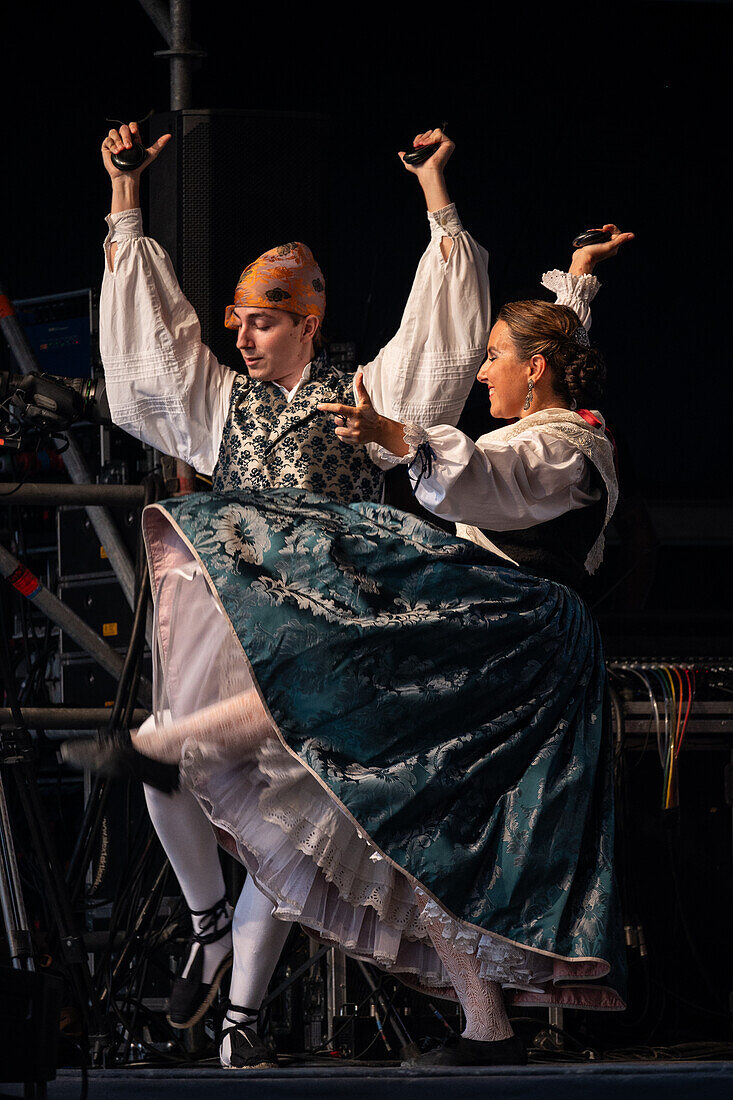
(555, 331)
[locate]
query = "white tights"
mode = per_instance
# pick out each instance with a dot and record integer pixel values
(257, 937)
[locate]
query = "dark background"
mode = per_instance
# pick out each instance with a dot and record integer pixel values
(562, 121)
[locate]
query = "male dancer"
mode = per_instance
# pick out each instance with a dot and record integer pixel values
(263, 428)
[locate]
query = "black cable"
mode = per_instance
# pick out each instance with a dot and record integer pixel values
(76, 968)
(84, 1069)
(159, 1055)
(543, 1026)
(129, 891)
(121, 708)
(380, 1031)
(401, 1032)
(681, 1052)
(146, 939)
(136, 963)
(20, 484)
(330, 1038)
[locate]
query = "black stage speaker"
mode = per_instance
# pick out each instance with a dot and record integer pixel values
(30, 1007)
(230, 185)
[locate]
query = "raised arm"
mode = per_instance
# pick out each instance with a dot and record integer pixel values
(455, 456)
(126, 185)
(164, 385)
(426, 371)
(578, 286)
(431, 176)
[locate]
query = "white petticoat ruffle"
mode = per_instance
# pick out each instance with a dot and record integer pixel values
(318, 868)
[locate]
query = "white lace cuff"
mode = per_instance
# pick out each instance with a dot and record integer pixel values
(445, 222)
(413, 435)
(565, 285)
(127, 225)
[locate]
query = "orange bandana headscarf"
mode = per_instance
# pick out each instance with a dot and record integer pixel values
(286, 277)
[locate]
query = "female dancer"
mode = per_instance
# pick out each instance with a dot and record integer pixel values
(404, 742)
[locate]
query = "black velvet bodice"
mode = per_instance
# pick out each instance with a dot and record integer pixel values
(558, 548)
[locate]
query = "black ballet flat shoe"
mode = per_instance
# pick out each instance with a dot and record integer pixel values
(120, 761)
(190, 997)
(457, 1051)
(245, 1049)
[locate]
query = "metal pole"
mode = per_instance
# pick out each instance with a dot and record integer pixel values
(15, 336)
(159, 16)
(336, 989)
(106, 531)
(31, 587)
(176, 30)
(180, 62)
(30, 493)
(67, 718)
(11, 894)
(102, 522)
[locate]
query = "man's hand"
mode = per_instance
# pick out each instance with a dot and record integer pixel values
(125, 138)
(361, 423)
(430, 176)
(439, 159)
(585, 259)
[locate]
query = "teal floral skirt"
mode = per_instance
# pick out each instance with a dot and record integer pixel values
(441, 746)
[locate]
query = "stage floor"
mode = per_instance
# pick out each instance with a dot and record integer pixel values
(569, 1081)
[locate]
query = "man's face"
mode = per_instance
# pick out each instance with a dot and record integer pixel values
(272, 346)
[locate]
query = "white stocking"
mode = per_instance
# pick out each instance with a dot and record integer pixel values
(481, 1000)
(258, 939)
(189, 842)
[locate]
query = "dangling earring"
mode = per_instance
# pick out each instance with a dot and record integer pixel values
(528, 399)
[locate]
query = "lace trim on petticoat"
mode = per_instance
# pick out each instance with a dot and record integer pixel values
(333, 844)
(324, 846)
(499, 961)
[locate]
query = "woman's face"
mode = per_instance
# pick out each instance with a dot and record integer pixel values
(506, 375)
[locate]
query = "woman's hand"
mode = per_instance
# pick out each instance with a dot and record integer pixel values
(585, 259)
(361, 423)
(439, 159)
(125, 138)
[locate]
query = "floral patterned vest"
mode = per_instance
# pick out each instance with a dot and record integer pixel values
(268, 443)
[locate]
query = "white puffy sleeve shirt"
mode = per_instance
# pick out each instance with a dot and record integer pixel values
(508, 484)
(166, 387)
